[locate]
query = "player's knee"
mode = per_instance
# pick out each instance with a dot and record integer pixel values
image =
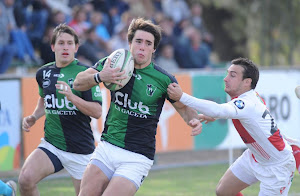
(25, 180)
(220, 191)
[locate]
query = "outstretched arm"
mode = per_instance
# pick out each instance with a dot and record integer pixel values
(206, 107)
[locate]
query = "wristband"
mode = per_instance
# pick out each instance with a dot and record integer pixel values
(97, 78)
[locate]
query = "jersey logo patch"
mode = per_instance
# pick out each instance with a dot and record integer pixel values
(150, 89)
(239, 104)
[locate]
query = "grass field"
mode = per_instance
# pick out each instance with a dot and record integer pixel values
(188, 181)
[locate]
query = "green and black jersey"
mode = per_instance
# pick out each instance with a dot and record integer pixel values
(66, 127)
(134, 111)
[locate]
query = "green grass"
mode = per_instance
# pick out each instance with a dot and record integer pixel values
(188, 181)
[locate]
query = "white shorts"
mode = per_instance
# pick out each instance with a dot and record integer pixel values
(74, 163)
(276, 179)
(116, 161)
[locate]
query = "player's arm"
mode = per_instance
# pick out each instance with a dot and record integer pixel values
(206, 107)
(91, 77)
(38, 112)
(190, 116)
(88, 108)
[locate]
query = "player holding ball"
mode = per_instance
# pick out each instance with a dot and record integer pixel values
(126, 151)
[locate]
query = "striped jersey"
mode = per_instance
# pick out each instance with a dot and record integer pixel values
(66, 127)
(134, 111)
(252, 120)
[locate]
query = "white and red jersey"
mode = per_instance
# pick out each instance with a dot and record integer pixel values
(253, 122)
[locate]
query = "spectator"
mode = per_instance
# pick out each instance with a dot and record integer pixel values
(97, 22)
(176, 9)
(197, 20)
(166, 59)
(7, 50)
(119, 40)
(37, 21)
(191, 51)
(79, 22)
(19, 37)
(47, 55)
(91, 50)
(57, 17)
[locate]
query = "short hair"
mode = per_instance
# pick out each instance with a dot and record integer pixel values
(250, 70)
(144, 25)
(63, 28)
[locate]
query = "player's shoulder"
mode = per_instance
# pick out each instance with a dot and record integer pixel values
(245, 101)
(81, 65)
(162, 73)
(100, 64)
(50, 65)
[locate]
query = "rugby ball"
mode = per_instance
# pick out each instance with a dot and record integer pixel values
(121, 58)
(297, 91)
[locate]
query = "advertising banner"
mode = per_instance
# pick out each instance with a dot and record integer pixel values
(10, 124)
(210, 87)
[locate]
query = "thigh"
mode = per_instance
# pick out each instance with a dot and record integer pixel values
(94, 181)
(120, 186)
(76, 184)
(229, 184)
(37, 166)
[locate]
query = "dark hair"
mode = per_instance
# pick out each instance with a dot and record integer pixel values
(144, 25)
(63, 28)
(250, 70)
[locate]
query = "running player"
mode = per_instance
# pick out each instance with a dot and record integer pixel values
(125, 154)
(68, 142)
(269, 157)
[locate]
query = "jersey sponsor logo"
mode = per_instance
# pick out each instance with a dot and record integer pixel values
(46, 83)
(53, 103)
(46, 76)
(60, 75)
(123, 100)
(98, 92)
(150, 89)
(71, 82)
(239, 104)
(137, 76)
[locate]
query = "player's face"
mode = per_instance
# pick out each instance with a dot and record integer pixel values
(234, 83)
(64, 49)
(142, 48)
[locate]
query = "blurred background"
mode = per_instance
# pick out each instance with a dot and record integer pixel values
(200, 38)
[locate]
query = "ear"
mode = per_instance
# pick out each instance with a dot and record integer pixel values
(52, 48)
(248, 81)
(76, 47)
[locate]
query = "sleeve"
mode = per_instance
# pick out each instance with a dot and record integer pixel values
(94, 94)
(173, 79)
(39, 80)
(235, 109)
(100, 64)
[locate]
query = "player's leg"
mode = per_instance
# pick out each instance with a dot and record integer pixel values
(36, 167)
(238, 177)
(131, 170)
(94, 181)
(230, 184)
(75, 164)
(120, 186)
(76, 184)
